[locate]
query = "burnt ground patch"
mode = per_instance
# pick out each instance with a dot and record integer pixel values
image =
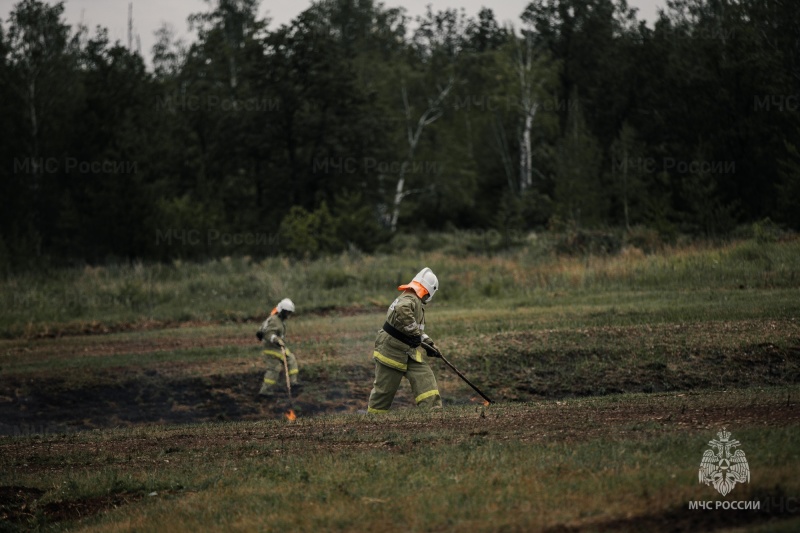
(524, 375)
(53, 405)
(21, 508)
(18, 503)
(123, 397)
(69, 510)
(516, 366)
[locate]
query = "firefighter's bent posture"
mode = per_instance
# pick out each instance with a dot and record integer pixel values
(400, 345)
(273, 333)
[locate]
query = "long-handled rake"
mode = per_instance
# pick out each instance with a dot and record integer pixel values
(286, 371)
(438, 354)
(290, 415)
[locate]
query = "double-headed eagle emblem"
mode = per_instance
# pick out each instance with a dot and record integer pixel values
(721, 467)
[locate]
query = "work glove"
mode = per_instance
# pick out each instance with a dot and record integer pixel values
(260, 335)
(430, 350)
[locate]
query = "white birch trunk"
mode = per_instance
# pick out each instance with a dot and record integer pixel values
(529, 107)
(431, 115)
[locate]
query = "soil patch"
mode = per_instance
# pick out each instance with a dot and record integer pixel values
(20, 505)
(49, 405)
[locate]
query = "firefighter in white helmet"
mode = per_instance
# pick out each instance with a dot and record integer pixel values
(273, 334)
(400, 345)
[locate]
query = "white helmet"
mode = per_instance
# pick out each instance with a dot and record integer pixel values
(428, 279)
(285, 305)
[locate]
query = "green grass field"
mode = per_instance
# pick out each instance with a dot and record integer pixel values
(127, 395)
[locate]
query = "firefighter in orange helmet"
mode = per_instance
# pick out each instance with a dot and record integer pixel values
(273, 334)
(400, 345)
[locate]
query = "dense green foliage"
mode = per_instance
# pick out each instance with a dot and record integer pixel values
(353, 123)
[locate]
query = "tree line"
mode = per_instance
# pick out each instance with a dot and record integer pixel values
(355, 122)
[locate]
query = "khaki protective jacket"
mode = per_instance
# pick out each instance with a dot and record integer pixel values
(273, 328)
(408, 316)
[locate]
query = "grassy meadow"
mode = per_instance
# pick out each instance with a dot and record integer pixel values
(239, 289)
(128, 402)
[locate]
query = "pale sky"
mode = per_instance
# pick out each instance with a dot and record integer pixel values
(148, 15)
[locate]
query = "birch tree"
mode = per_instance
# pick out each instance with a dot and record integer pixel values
(536, 76)
(414, 131)
(529, 105)
(530, 75)
(437, 44)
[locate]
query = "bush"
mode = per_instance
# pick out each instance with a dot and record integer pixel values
(307, 235)
(332, 278)
(765, 231)
(645, 239)
(584, 242)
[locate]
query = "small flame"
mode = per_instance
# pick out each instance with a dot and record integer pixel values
(475, 399)
(290, 415)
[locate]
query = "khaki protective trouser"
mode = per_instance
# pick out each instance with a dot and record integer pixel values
(275, 368)
(387, 381)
